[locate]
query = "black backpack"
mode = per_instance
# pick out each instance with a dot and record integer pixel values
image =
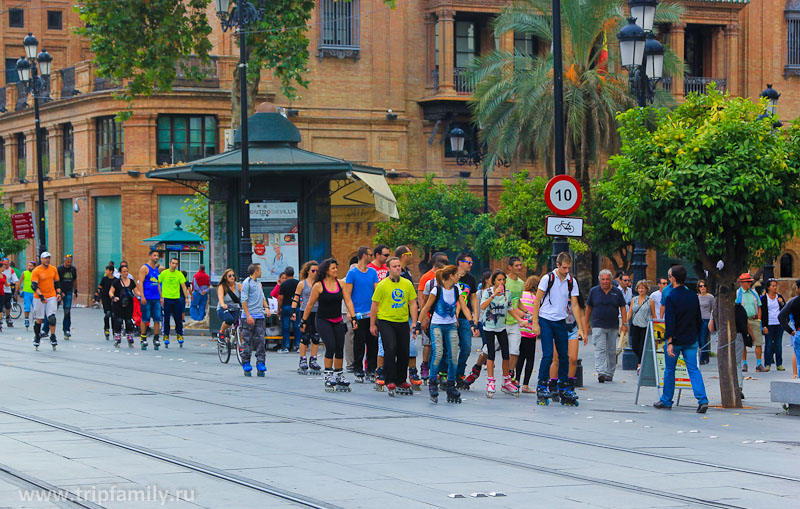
(551, 279)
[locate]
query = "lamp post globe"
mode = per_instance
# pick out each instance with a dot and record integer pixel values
(631, 44)
(772, 96)
(644, 11)
(31, 45)
(44, 59)
(223, 5)
(654, 55)
(457, 137)
(24, 70)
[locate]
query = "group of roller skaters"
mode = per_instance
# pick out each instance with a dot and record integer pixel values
(377, 302)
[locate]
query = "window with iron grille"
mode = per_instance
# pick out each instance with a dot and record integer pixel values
(16, 18)
(110, 144)
(55, 20)
(792, 13)
(44, 143)
(184, 138)
(339, 29)
(68, 153)
(22, 163)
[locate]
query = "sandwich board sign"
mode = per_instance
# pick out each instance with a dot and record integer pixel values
(651, 373)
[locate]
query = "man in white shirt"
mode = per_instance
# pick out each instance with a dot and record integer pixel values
(656, 297)
(11, 279)
(549, 318)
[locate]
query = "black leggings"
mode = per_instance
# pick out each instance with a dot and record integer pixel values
(107, 320)
(527, 354)
(310, 335)
(364, 340)
(333, 336)
(123, 315)
(637, 340)
(502, 338)
(395, 337)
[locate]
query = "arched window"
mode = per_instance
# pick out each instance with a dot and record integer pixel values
(787, 265)
(792, 14)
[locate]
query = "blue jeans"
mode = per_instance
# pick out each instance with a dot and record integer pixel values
(796, 346)
(288, 325)
(198, 308)
(464, 345)
(444, 342)
(705, 342)
(554, 334)
(690, 358)
(151, 309)
(773, 346)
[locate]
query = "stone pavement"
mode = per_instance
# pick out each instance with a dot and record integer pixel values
(218, 432)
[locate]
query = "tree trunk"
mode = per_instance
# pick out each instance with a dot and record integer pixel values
(726, 349)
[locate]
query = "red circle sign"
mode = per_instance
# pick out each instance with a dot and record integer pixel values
(563, 195)
(259, 249)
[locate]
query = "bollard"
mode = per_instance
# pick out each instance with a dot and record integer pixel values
(579, 375)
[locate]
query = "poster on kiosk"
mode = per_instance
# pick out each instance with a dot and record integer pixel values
(274, 232)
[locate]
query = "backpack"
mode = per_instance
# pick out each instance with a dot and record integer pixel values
(551, 279)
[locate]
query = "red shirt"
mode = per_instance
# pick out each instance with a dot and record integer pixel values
(382, 271)
(202, 279)
(2, 284)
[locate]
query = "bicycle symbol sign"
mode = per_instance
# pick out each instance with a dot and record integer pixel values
(561, 226)
(563, 195)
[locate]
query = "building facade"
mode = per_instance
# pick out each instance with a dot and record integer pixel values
(386, 87)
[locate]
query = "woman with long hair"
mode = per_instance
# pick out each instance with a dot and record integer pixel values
(310, 339)
(495, 306)
(527, 349)
(445, 305)
(328, 296)
(228, 295)
(123, 292)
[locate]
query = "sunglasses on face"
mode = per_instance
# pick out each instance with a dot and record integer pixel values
(626, 280)
(231, 275)
(701, 286)
(468, 262)
(314, 271)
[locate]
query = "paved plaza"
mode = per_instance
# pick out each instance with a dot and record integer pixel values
(177, 428)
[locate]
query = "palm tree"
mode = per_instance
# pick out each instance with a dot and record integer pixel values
(512, 101)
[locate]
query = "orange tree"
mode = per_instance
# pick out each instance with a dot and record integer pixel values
(711, 180)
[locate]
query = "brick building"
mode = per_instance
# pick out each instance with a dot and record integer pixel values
(366, 59)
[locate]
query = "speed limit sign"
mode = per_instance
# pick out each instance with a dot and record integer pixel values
(563, 195)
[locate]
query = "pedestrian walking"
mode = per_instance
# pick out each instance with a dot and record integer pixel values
(123, 293)
(172, 283)
(527, 348)
(548, 318)
(642, 309)
(603, 302)
(789, 317)
(359, 287)
(751, 302)
(8, 287)
(329, 294)
(102, 296)
(514, 288)
(310, 338)
(771, 304)
(289, 322)
(201, 283)
(45, 284)
(656, 297)
(69, 280)
(150, 298)
(683, 322)
(393, 302)
(707, 305)
(254, 328)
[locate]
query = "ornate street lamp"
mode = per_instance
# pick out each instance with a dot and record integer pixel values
(239, 17)
(457, 138)
(34, 72)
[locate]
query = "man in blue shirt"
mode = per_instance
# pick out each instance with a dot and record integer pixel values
(359, 285)
(682, 321)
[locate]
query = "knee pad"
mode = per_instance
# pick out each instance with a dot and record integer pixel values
(305, 339)
(51, 320)
(108, 314)
(315, 339)
(66, 312)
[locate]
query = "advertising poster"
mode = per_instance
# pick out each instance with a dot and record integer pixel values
(275, 235)
(682, 380)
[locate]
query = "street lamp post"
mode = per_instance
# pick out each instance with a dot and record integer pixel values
(242, 14)
(772, 108)
(643, 57)
(560, 244)
(457, 138)
(34, 71)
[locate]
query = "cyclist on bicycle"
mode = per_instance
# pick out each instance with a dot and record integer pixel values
(229, 303)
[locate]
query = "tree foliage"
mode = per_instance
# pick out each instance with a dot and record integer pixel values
(7, 243)
(518, 227)
(713, 181)
(196, 207)
(605, 239)
(434, 216)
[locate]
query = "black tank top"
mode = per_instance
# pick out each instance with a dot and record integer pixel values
(330, 304)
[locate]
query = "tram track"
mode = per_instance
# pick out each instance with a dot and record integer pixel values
(546, 470)
(60, 497)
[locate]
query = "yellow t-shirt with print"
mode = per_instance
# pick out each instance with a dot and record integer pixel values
(393, 299)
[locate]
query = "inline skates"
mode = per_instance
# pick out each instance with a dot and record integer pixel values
(313, 367)
(302, 368)
(509, 387)
(542, 393)
(342, 385)
(553, 389)
(567, 395)
(453, 396)
(490, 387)
(330, 381)
(416, 381)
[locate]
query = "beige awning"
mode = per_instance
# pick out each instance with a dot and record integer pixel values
(385, 202)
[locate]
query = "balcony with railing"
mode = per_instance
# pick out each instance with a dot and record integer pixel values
(461, 81)
(693, 84)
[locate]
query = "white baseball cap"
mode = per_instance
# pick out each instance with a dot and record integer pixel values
(45, 255)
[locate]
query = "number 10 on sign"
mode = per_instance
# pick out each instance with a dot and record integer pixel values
(563, 195)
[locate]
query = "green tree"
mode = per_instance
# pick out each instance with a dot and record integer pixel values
(434, 216)
(604, 239)
(142, 43)
(196, 207)
(8, 245)
(513, 98)
(712, 181)
(518, 227)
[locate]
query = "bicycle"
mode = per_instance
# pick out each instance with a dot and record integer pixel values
(224, 343)
(16, 309)
(566, 226)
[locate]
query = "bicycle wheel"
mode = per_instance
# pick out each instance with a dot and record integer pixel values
(239, 346)
(223, 350)
(16, 310)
